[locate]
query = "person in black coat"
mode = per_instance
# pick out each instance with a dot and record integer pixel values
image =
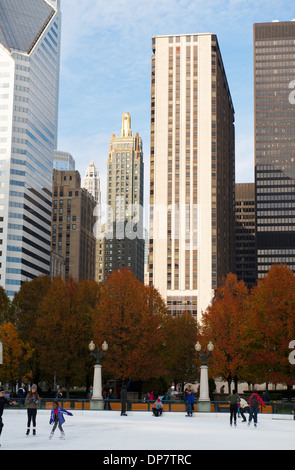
(123, 400)
(3, 402)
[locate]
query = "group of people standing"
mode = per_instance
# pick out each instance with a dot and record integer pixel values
(32, 400)
(238, 404)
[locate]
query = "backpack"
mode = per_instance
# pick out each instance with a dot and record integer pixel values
(254, 401)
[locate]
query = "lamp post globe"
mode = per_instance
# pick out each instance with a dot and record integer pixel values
(198, 347)
(210, 346)
(91, 346)
(104, 346)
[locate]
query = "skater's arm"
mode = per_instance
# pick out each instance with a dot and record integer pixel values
(66, 412)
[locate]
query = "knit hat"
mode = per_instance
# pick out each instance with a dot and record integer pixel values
(34, 386)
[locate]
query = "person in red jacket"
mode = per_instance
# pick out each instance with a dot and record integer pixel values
(254, 402)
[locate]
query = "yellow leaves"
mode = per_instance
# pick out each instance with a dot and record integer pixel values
(15, 351)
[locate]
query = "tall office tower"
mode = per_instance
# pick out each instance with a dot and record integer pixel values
(124, 237)
(29, 82)
(72, 225)
(192, 171)
(92, 184)
(246, 266)
(274, 121)
(63, 161)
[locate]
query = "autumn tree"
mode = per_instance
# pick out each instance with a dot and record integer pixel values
(5, 307)
(271, 325)
(64, 328)
(129, 316)
(16, 355)
(180, 335)
(25, 308)
(224, 323)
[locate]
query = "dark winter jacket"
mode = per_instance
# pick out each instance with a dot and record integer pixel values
(61, 418)
(233, 399)
(124, 394)
(3, 402)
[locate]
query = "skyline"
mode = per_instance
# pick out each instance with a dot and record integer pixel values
(106, 65)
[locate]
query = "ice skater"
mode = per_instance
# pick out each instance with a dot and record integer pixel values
(3, 402)
(32, 401)
(233, 400)
(244, 408)
(157, 408)
(190, 399)
(57, 419)
(254, 407)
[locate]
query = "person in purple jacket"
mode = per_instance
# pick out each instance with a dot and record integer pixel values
(57, 419)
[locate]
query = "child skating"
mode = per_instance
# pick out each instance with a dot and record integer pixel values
(57, 419)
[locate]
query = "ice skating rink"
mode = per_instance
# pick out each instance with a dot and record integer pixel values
(107, 430)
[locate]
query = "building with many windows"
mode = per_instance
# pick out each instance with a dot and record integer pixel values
(72, 225)
(124, 237)
(63, 161)
(192, 171)
(29, 83)
(274, 122)
(246, 264)
(91, 182)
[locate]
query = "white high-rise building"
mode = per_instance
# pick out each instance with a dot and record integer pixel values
(29, 83)
(191, 171)
(92, 182)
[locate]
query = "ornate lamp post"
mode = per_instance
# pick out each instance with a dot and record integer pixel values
(96, 401)
(204, 403)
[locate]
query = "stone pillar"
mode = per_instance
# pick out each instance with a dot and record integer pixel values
(204, 403)
(96, 402)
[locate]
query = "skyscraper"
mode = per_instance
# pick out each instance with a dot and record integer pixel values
(124, 238)
(246, 264)
(72, 225)
(274, 121)
(63, 161)
(29, 82)
(91, 182)
(192, 171)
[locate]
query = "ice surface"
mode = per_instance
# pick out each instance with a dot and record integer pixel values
(107, 430)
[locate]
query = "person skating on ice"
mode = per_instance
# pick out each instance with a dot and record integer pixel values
(3, 402)
(57, 419)
(32, 402)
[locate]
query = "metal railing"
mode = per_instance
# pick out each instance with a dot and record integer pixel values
(141, 405)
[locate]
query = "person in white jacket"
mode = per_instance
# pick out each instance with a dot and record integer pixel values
(244, 408)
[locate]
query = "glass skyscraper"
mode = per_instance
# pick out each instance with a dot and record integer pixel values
(274, 115)
(29, 78)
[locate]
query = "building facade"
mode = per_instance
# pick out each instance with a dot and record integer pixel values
(91, 182)
(246, 261)
(192, 172)
(29, 83)
(274, 121)
(124, 236)
(72, 225)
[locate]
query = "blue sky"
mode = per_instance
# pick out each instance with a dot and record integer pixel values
(105, 68)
